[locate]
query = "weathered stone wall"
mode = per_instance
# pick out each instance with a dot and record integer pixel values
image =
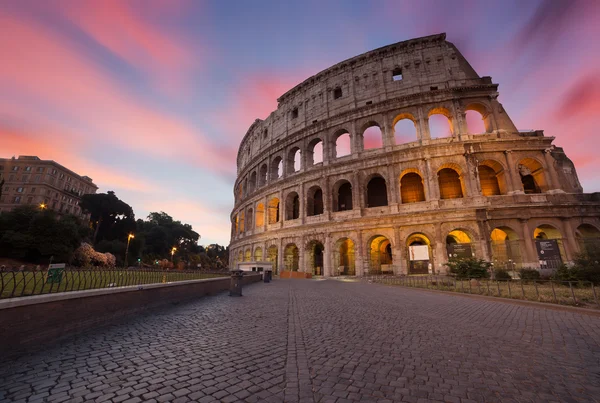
(362, 92)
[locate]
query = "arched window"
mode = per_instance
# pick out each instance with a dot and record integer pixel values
(488, 181)
(377, 192)
(252, 182)
(342, 196)
(314, 201)
(342, 144)
(411, 188)
(276, 168)
(475, 124)
(532, 176)
(260, 215)
(241, 223)
(291, 257)
(315, 152)
(440, 124)
(294, 162)
(258, 255)
(249, 218)
(292, 206)
(262, 177)
(405, 129)
(372, 137)
(273, 210)
(450, 184)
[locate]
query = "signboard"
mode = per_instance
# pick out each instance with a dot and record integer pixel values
(459, 250)
(418, 252)
(547, 249)
(55, 273)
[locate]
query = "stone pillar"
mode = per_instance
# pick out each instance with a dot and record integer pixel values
(392, 191)
(554, 182)
(398, 260)
(302, 207)
(356, 144)
(430, 182)
(470, 177)
(512, 174)
(359, 255)
(440, 255)
(266, 213)
(357, 193)
(569, 239)
(280, 253)
(530, 251)
(301, 257)
(422, 125)
(327, 150)
(387, 132)
(327, 256)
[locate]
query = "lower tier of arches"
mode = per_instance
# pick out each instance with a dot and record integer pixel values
(357, 249)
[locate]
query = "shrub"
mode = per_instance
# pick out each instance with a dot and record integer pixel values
(501, 274)
(469, 268)
(529, 274)
(586, 267)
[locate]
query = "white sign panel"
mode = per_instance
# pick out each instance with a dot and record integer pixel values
(418, 252)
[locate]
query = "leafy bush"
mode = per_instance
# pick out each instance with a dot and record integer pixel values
(586, 267)
(501, 274)
(469, 268)
(529, 274)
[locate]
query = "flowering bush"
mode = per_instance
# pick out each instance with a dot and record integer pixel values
(85, 255)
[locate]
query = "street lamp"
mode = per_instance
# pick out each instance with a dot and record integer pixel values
(43, 206)
(172, 253)
(129, 237)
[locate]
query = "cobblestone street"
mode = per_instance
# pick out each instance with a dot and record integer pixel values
(323, 341)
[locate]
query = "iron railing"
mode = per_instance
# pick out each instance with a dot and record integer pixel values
(578, 293)
(22, 282)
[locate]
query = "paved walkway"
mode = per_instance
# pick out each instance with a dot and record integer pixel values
(323, 341)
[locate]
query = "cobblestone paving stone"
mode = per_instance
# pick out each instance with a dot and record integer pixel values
(322, 341)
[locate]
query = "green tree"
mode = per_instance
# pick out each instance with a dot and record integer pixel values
(464, 268)
(110, 217)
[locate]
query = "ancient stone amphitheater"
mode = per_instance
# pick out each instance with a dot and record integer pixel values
(347, 176)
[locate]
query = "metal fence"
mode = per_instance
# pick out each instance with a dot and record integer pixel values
(577, 293)
(22, 282)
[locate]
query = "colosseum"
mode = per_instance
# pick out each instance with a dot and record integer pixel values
(349, 177)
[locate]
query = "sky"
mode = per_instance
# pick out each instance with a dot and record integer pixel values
(152, 98)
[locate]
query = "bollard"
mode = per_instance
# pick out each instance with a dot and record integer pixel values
(267, 276)
(235, 286)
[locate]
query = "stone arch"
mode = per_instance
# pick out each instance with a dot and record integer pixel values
(549, 232)
(344, 259)
(249, 219)
(252, 182)
(292, 206)
(315, 257)
(405, 128)
(276, 168)
(532, 175)
(505, 245)
(314, 201)
(241, 222)
(314, 152)
(419, 253)
(258, 254)
(437, 126)
(450, 182)
(484, 113)
(342, 195)
(291, 257)
(380, 255)
(260, 215)
(588, 238)
(294, 160)
(341, 143)
(376, 191)
(262, 176)
(459, 244)
(412, 189)
(240, 256)
(274, 213)
(492, 178)
(371, 135)
(272, 254)
(248, 255)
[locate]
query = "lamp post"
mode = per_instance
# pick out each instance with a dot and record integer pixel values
(129, 237)
(43, 206)
(172, 253)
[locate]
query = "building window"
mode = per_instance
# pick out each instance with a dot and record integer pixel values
(17, 199)
(337, 93)
(54, 172)
(69, 179)
(15, 169)
(397, 74)
(40, 169)
(19, 190)
(294, 113)
(32, 190)
(28, 169)
(433, 88)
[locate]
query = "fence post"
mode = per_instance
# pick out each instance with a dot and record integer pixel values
(573, 293)
(498, 284)
(553, 291)
(522, 289)
(537, 292)
(595, 297)
(469, 280)
(488, 288)
(509, 293)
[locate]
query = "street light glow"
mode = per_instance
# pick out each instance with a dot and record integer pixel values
(42, 206)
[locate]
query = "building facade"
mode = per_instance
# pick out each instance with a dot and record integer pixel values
(329, 184)
(43, 183)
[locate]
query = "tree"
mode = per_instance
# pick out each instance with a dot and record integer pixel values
(465, 268)
(111, 218)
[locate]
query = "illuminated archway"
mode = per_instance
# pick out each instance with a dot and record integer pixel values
(291, 257)
(380, 255)
(344, 257)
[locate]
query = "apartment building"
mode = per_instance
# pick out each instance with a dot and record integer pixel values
(44, 183)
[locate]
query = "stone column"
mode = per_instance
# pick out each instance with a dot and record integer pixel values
(422, 125)
(554, 182)
(392, 190)
(302, 207)
(569, 240)
(280, 253)
(430, 182)
(398, 254)
(387, 133)
(265, 213)
(356, 144)
(530, 251)
(359, 255)
(327, 256)
(357, 193)
(301, 257)
(512, 174)
(440, 254)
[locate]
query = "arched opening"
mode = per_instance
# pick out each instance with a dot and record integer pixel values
(419, 254)
(294, 162)
(440, 123)
(549, 246)
(491, 178)
(342, 144)
(475, 123)
(240, 256)
(450, 184)
(342, 196)
(459, 245)
(344, 262)
(262, 177)
(315, 152)
(249, 215)
(314, 201)
(377, 192)
(292, 206)
(506, 251)
(241, 222)
(291, 257)
(248, 255)
(380, 255)
(258, 255)
(274, 210)
(260, 215)
(314, 257)
(532, 176)
(372, 136)
(411, 188)
(272, 257)
(405, 129)
(240, 191)
(276, 168)
(252, 182)
(588, 239)
(236, 224)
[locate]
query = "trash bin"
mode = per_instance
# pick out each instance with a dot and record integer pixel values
(235, 286)
(267, 276)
